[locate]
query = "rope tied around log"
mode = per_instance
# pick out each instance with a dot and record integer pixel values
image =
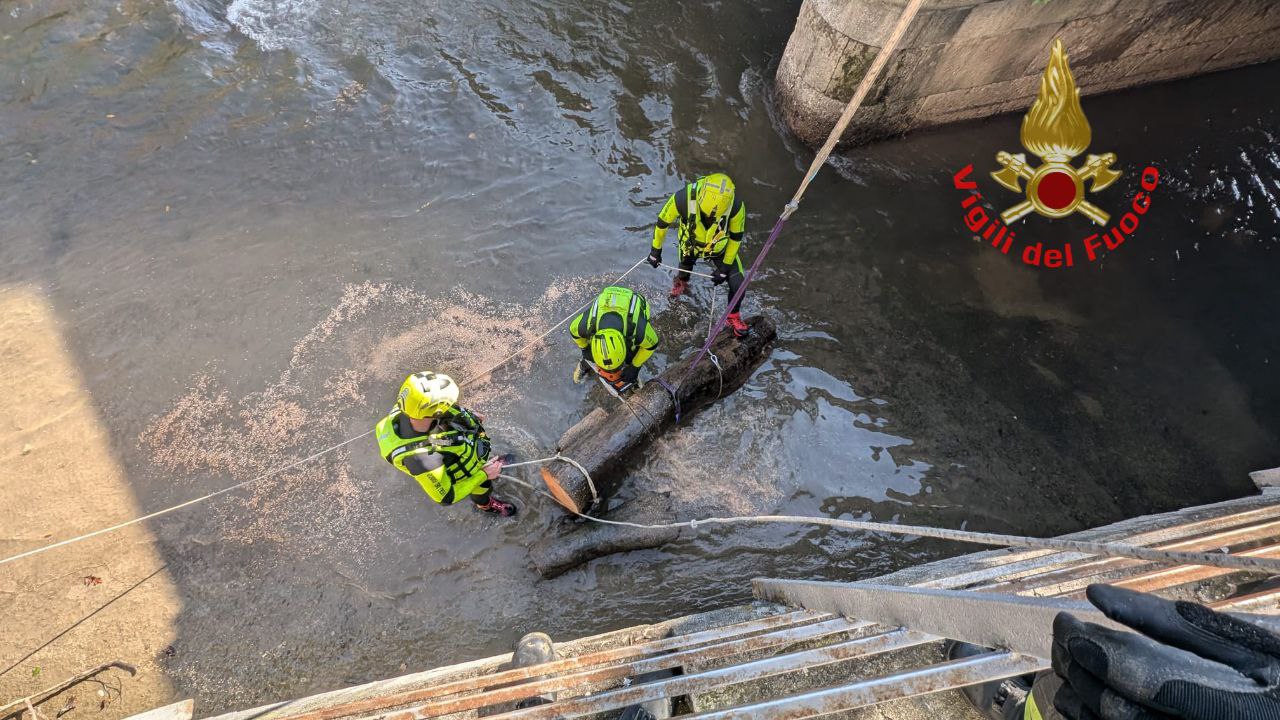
(595, 496)
(675, 399)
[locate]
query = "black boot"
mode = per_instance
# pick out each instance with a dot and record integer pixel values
(997, 700)
(534, 648)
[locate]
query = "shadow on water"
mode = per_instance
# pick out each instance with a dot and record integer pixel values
(256, 216)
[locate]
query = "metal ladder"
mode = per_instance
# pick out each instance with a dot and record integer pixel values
(801, 663)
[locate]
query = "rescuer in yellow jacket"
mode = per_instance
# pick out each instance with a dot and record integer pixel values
(711, 221)
(616, 335)
(440, 444)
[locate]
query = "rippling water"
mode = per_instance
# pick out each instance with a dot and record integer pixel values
(255, 216)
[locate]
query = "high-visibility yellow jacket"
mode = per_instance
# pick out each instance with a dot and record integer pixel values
(621, 309)
(701, 236)
(447, 461)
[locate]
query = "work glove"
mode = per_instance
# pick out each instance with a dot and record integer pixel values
(1193, 663)
(721, 274)
(655, 256)
(580, 371)
(630, 373)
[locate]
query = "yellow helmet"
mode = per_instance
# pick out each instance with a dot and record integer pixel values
(427, 395)
(608, 349)
(714, 195)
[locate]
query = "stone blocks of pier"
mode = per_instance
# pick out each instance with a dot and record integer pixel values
(968, 59)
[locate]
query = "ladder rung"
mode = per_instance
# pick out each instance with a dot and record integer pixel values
(444, 685)
(920, 681)
(609, 673)
(703, 681)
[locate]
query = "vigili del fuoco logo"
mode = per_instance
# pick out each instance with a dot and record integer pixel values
(1055, 130)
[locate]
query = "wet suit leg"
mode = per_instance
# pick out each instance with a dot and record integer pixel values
(686, 264)
(482, 493)
(735, 282)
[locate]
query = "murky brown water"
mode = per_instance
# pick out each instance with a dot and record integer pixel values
(254, 217)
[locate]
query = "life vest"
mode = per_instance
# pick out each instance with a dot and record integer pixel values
(621, 309)
(457, 440)
(697, 240)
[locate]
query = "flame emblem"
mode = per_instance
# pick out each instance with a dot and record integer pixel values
(1056, 130)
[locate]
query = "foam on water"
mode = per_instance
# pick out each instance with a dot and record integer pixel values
(339, 376)
(273, 24)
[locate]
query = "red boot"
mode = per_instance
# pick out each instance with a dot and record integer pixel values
(740, 329)
(499, 508)
(679, 287)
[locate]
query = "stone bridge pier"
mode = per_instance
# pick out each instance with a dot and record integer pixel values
(964, 59)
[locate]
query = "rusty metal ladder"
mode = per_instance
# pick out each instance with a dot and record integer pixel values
(762, 654)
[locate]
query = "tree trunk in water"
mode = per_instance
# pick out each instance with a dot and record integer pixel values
(602, 441)
(582, 540)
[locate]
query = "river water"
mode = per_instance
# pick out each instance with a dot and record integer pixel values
(255, 217)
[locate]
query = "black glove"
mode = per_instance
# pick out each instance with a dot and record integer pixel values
(1231, 668)
(655, 256)
(721, 274)
(630, 373)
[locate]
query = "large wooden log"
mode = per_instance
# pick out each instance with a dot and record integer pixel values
(602, 441)
(582, 541)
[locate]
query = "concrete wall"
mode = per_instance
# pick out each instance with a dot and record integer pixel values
(964, 59)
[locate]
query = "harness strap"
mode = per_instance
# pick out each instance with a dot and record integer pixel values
(636, 316)
(690, 223)
(674, 398)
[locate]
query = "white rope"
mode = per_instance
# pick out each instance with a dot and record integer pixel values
(539, 461)
(595, 496)
(188, 503)
(855, 102)
(590, 483)
(691, 272)
(711, 355)
(544, 335)
(308, 458)
(711, 326)
(1222, 560)
(719, 370)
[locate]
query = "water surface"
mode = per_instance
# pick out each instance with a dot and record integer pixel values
(255, 217)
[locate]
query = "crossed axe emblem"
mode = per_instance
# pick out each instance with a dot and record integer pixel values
(1097, 168)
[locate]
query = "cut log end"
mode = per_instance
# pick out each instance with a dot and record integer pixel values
(558, 491)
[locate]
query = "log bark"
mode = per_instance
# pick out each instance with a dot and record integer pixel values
(583, 541)
(603, 440)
